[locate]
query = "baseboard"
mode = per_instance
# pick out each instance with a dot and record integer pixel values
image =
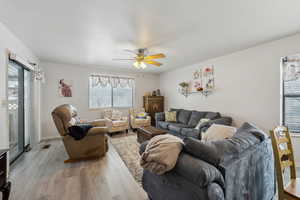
(50, 138)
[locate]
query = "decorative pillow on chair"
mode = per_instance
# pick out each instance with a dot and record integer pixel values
(141, 115)
(218, 132)
(203, 120)
(116, 115)
(170, 116)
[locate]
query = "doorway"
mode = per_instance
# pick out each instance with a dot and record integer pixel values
(19, 109)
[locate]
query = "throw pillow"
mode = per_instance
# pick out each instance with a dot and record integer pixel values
(170, 116)
(141, 115)
(116, 115)
(203, 120)
(218, 132)
(203, 150)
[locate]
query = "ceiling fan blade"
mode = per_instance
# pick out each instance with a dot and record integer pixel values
(123, 59)
(130, 51)
(155, 56)
(152, 62)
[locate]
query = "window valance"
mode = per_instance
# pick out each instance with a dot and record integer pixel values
(114, 81)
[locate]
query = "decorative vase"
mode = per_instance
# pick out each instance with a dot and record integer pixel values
(200, 89)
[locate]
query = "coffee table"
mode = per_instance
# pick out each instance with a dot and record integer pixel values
(148, 132)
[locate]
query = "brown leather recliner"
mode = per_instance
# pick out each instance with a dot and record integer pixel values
(93, 145)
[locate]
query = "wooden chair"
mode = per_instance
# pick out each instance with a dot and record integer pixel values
(284, 159)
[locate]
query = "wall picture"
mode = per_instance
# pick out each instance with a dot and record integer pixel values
(203, 80)
(65, 88)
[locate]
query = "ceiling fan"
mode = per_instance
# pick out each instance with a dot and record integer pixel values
(142, 58)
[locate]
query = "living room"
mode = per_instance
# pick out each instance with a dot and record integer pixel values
(128, 73)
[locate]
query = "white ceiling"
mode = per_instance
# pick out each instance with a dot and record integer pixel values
(92, 32)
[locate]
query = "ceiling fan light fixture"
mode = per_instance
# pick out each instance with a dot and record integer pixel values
(142, 58)
(139, 65)
(143, 65)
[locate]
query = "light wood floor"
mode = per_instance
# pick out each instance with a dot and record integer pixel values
(42, 175)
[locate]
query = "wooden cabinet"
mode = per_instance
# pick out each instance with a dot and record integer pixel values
(152, 105)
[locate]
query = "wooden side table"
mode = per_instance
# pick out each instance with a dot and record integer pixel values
(4, 184)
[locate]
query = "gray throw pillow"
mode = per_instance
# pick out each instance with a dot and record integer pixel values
(203, 150)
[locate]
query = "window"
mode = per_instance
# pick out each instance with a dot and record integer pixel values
(291, 96)
(110, 91)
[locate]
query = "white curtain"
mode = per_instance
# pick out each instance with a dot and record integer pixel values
(114, 81)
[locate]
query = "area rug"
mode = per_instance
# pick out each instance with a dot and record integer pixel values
(128, 149)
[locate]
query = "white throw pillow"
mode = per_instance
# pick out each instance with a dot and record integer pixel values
(218, 132)
(116, 115)
(201, 122)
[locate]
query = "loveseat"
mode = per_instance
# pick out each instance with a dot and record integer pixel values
(187, 120)
(240, 168)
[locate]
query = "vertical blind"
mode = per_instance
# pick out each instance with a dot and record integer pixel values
(110, 91)
(291, 104)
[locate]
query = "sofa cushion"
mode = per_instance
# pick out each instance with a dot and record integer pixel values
(212, 115)
(195, 118)
(198, 171)
(174, 128)
(190, 132)
(184, 116)
(215, 152)
(203, 150)
(141, 121)
(118, 123)
(163, 124)
(177, 134)
(180, 125)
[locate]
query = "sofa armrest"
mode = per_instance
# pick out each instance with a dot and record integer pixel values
(132, 118)
(198, 171)
(108, 123)
(160, 116)
(222, 120)
(98, 122)
(97, 131)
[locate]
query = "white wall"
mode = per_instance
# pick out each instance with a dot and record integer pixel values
(9, 42)
(79, 75)
(247, 85)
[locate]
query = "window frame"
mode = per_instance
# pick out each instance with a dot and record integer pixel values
(112, 96)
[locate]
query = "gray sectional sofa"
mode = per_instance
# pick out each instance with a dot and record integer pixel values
(240, 168)
(187, 120)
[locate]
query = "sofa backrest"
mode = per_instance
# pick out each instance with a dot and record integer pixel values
(192, 117)
(64, 116)
(184, 116)
(222, 151)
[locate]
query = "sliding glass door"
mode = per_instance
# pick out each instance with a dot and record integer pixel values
(19, 95)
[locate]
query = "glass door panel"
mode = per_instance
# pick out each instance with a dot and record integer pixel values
(27, 107)
(16, 110)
